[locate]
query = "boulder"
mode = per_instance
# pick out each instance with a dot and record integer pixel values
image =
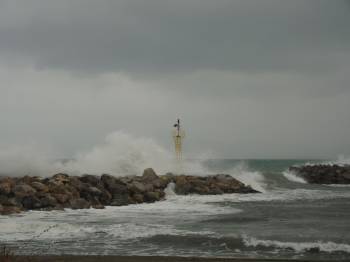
(136, 187)
(114, 185)
(120, 200)
(105, 198)
(149, 175)
(3, 200)
(27, 179)
(23, 190)
(79, 203)
(94, 191)
(138, 198)
(98, 206)
(5, 188)
(63, 178)
(7, 210)
(61, 198)
(10, 201)
(40, 187)
(31, 202)
(75, 182)
(90, 179)
(210, 185)
(182, 187)
(152, 197)
(48, 201)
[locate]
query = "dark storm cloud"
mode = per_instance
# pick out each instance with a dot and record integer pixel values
(255, 79)
(177, 36)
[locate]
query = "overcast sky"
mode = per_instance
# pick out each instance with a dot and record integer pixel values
(249, 78)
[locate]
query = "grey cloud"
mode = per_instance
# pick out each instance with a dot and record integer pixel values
(176, 36)
(263, 78)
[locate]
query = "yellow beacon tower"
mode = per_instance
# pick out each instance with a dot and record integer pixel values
(178, 136)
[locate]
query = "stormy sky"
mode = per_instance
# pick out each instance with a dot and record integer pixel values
(249, 78)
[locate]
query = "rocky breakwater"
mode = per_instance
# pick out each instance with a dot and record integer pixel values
(323, 174)
(88, 191)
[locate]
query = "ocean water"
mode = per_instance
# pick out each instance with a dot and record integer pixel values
(289, 219)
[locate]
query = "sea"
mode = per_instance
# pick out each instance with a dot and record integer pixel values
(288, 219)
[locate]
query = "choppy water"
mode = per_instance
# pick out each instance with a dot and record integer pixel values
(290, 219)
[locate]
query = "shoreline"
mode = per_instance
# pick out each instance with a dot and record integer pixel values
(73, 258)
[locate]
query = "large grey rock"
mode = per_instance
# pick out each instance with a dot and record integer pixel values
(40, 187)
(137, 187)
(5, 188)
(94, 191)
(152, 196)
(120, 200)
(79, 203)
(90, 179)
(211, 185)
(23, 190)
(10, 201)
(48, 201)
(61, 198)
(138, 198)
(113, 185)
(7, 210)
(31, 202)
(149, 175)
(64, 178)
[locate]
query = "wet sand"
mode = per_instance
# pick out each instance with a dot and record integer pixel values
(142, 259)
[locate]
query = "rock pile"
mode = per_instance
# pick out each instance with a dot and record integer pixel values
(64, 191)
(323, 174)
(209, 185)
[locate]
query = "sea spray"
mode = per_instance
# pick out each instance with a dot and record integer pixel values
(297, 246)
(120, 154)
(252, 178)
(25, 160)
(293, 177)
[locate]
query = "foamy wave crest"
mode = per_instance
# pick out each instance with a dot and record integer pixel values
(340, 161)
(120, 154)
(298, 246)
(293, 177)
(252, 178)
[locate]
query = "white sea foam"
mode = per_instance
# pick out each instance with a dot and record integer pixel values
(297, 246)
(293, 177)
(337, 185)
(274, 195)
(340, 161)
(124, 220)
(120, 154)
(252, 178)
(123, 223)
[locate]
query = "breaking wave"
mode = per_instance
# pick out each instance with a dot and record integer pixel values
(252, 178)
(120, 154)
(293, 177)
(298, 246)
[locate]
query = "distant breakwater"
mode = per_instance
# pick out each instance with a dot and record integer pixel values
(323, 173)
(61, 191)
